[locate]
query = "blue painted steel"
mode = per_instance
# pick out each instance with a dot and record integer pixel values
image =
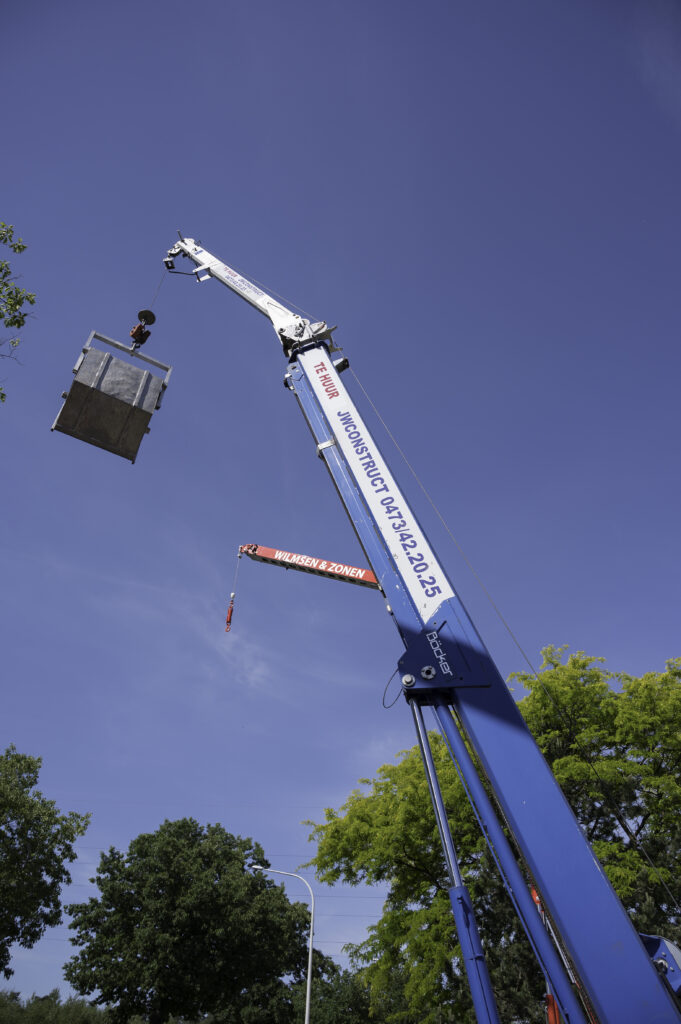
(473, 955)
(408, 623)
(353, 502)
(667, 957)
(539, 937)
(446, 838)
(609, 958)
(604, 947)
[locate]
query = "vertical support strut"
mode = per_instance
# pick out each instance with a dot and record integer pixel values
(467, 931)
(545, 951)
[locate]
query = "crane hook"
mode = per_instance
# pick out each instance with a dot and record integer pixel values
(230, 610)
(139, 333)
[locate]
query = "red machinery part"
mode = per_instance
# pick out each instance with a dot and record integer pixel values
(316, 566)
(230, 611)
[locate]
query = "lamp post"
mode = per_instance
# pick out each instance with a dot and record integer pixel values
(292, 874)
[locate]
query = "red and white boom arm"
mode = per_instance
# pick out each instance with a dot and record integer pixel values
(307, 563)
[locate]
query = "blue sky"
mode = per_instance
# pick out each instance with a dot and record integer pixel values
(485, 197)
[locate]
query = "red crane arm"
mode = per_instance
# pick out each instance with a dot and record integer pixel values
(316, 566)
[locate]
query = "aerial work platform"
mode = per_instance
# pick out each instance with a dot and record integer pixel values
(111, 400)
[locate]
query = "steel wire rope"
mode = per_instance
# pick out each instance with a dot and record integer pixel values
(163, 277)
(236, 571)
(610, 801)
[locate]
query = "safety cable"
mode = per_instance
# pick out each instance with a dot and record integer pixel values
(609, 801)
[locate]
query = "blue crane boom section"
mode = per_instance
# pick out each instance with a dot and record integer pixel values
(445, 665)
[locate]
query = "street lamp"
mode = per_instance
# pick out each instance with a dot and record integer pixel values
(292, 874)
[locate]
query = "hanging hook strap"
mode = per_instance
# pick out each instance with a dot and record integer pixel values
(230, 610)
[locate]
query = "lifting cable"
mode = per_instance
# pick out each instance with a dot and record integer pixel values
(609, 799)
(140, 333)
(289, 304)
(230, 610)
(163, 277)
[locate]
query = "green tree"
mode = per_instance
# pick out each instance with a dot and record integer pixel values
(13, 299)
(11, 1009)
(184, 926)
(613, 742)
(338, 997)
(49, 1009)
(386, 833)
(36, 843)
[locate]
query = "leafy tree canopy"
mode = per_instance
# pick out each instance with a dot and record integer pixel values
(36, 843)
(614, 744)
(184, 926)
(49, 1009)
(13, 299)
(338, 997)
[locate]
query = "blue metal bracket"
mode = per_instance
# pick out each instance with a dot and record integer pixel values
(436, 664)
(667, 959)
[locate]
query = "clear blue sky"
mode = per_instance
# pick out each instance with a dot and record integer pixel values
(485, 197)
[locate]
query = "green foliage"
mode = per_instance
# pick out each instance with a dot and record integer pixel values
(386, 833)
(614, 743)
(47, 1009)
(36, 843)
(13, 299)
(184, 926)
(339, 997)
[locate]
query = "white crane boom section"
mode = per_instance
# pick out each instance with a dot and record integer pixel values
(289, 326)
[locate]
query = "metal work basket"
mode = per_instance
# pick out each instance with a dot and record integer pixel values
(111, 400)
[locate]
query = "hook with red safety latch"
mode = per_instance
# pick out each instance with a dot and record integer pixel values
(139, 333)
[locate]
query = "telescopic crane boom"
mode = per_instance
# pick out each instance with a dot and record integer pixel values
(446, 666)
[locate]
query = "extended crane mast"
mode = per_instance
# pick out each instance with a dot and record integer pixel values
(600, 970)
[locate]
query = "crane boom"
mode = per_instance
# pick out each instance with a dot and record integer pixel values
(307, 563)
(287, 324)
(445, 665)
